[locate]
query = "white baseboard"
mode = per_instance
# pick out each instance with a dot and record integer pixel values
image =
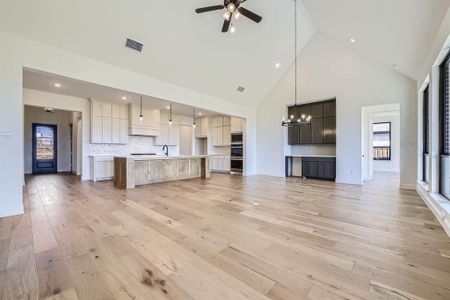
(438, 205)
(348, 181)
(407, 186)
(11, 212)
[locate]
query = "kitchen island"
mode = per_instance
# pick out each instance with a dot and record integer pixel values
(131, 171)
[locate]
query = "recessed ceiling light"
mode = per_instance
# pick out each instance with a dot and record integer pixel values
(56, 84)
(352, 40)
(200, 114)
(277, 65)
(168, 107)
(124, 98)
(155, 110)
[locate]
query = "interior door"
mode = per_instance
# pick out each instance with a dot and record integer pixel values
(44, 148)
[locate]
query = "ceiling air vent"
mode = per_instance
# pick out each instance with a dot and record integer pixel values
(241, 89)
(132, 44)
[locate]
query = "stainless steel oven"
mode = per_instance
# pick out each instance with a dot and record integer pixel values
(236, 138)
(237, 150)
(237, 165)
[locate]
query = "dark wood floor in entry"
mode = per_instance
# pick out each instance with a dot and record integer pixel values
(223, 238)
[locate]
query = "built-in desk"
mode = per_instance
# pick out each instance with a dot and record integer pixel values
(312, 166)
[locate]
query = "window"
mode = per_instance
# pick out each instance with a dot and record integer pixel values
(382, 141)
(426, 133)
(444, 130)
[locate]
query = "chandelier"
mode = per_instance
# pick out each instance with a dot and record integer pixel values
(292, 120)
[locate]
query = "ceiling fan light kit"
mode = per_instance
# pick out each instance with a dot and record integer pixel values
(232, 8)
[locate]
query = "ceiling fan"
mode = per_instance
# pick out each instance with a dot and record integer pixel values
(232, 9)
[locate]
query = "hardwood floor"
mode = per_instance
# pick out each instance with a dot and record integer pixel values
(223, 238)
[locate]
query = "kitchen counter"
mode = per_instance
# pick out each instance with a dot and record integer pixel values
(154, 157)
(318, 166)
(135, 170)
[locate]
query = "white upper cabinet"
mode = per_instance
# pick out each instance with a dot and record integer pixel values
(217, 121)
(226, 121)
(201, 130)
(237, 125)
(217, 135)
(149, 126)
(109, 122)
(221, 131)
(168, 135)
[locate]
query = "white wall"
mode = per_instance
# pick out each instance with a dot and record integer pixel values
(17, 52)
(62, 120)
(330, 69)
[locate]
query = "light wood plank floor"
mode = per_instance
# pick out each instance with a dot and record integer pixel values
(223, 238)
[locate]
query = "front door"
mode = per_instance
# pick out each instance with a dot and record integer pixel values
(44, 149)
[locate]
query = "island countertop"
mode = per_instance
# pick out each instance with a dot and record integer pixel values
(153, 157)
(135, 170)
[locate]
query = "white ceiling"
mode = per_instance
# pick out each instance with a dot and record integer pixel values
(394, 32)
(180, 46)
(189, 50)
(45, 82)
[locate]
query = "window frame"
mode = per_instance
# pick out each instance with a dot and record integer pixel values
(445, 66)
(390, 141)
(426, 131)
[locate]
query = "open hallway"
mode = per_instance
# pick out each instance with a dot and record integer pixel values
(226, 237)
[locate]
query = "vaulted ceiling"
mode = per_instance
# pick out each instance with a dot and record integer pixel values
(180, 46)
(189, 50)
(398, 33)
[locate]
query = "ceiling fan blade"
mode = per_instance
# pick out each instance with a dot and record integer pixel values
(209, 8)
(226, 25)
(249, 14)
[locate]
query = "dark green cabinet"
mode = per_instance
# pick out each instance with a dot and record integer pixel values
(329, 130)
(293, 132)
(329, 109)
(317, 110)
(322, 129)
(305, 134)
(317, 131)
(319, 167)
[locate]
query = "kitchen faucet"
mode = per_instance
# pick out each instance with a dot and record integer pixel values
(165, 149)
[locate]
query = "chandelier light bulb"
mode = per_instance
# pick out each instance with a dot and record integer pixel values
(141, 118)
(237, 15)
(233, 29)
(292, 116)
(226, 15)
(231, 7)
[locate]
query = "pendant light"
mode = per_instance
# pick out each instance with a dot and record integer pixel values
(170, 114)
(193, 118)
(141, 116)
(304, 119)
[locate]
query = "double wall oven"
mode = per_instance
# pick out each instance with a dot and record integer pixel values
(237, 153)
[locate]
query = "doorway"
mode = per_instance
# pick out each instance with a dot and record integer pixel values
(44, 140)
(380, 140)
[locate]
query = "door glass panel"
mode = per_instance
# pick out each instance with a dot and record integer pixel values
(44, 143)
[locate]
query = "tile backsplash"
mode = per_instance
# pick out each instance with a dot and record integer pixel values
(136, 144)
(313, 149)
